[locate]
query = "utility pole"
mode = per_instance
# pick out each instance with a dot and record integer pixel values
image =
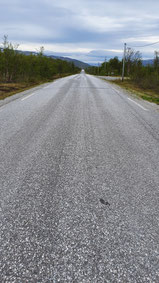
(123, 71)
(98, 68)
(105, 65)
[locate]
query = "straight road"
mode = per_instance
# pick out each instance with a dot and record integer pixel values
(79, 185)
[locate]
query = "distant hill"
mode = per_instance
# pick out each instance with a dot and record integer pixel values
(27, 52)
(77, 63)
(147, 62)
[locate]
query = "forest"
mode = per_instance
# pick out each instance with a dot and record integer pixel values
(15, 66)
(18, 70)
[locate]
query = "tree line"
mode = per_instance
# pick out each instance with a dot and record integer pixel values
(147, 77)
(15, 66)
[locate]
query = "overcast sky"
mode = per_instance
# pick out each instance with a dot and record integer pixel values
(87, 30)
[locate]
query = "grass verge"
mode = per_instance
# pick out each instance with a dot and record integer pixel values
(8, 89)
(146, 94)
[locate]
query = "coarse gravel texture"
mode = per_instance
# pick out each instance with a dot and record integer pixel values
(79, 185)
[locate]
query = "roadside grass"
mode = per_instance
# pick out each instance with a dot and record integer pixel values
(146, 94)
(9, 89)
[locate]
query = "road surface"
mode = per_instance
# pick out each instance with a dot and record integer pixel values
(79, 185)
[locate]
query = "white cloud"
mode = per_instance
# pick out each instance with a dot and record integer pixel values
(79, 27)
(100, 24)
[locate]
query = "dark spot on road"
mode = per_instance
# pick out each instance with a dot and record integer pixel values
(104, 202)
(9, 272)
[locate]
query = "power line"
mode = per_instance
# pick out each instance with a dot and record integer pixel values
(124, 56)
(145, 44)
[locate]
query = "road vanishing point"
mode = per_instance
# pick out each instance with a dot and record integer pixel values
(79, 185)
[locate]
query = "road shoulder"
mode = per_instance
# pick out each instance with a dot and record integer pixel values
(130, 94)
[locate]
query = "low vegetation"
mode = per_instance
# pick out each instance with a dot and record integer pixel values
(19, 71)
(144, 93)
(143, 80)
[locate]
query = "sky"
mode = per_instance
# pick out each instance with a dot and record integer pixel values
(87, 30)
